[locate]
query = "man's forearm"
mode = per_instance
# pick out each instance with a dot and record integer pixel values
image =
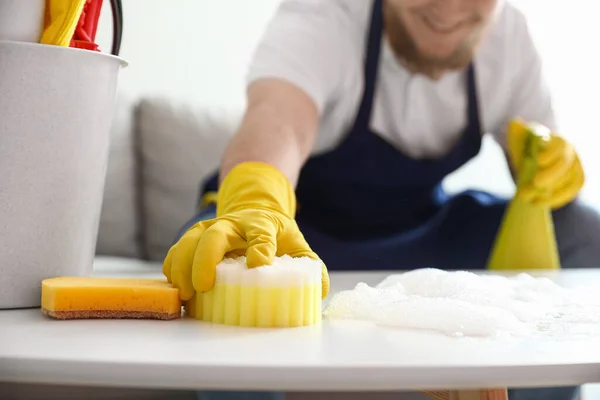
(278, 128)
(263, 137)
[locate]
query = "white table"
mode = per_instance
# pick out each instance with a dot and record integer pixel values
(189, 354)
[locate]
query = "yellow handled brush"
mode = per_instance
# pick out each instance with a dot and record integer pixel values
(526, 238)
(62, 17)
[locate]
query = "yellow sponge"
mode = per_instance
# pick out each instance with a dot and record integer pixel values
(284, 294)
(83, 298)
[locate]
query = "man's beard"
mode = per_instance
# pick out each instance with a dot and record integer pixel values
(408, 54)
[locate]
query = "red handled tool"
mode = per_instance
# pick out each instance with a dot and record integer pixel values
(85, 32)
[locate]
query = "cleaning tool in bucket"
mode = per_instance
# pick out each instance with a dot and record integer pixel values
(62, 17)
(54, 141)
(85, 33)
(74, 23)
(526, 238)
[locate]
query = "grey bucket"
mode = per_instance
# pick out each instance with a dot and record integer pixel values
(56, 109)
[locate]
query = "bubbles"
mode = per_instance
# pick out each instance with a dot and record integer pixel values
(284, 271)
(466, 304)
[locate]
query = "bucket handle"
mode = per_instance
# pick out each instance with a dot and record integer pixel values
(117, 20)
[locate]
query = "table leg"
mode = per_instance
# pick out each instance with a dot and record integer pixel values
(481, 394)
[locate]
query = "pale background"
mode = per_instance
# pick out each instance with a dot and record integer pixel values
(196, 51)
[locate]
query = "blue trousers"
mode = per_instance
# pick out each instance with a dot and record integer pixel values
(577, 230)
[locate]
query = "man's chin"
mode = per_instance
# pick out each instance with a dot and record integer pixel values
(436, 54)
(436, 67)
(456, 57)
(432, 60)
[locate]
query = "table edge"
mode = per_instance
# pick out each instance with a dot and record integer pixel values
(303, 378)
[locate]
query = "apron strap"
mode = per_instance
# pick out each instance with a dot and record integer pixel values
(473, 107)
(373, 50)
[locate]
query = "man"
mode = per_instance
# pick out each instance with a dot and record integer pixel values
(356, 112)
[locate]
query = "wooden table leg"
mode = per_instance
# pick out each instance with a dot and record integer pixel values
(481, 394)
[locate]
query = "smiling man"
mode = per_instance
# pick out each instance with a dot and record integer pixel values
(433, 39)
(357, 110)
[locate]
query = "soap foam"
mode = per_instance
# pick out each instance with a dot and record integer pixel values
(284, 271)
(466, 304)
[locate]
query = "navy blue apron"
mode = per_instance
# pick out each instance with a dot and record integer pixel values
(367, 206)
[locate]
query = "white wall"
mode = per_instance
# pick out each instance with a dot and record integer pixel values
(190, 50)
(196, 51)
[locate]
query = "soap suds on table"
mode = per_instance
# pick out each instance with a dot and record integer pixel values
(466, 304)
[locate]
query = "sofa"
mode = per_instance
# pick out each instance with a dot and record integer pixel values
(161, 151)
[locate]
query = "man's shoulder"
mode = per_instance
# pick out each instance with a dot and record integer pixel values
(314, 44)
(510, 43)
(510, 29)
(344, 22)
(509, 71)
(353, 13)
(350, 7)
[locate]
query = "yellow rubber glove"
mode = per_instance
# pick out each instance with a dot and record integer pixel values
(62, 17)
(559, 177)
(526, 239)
(256, 206)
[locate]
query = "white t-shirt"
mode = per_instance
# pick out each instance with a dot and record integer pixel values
(319, 45)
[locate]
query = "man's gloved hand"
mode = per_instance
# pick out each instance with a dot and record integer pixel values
(559, 177)
(256, 206)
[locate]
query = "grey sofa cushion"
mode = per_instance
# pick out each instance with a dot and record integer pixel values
(118, 230)
(179, 146)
